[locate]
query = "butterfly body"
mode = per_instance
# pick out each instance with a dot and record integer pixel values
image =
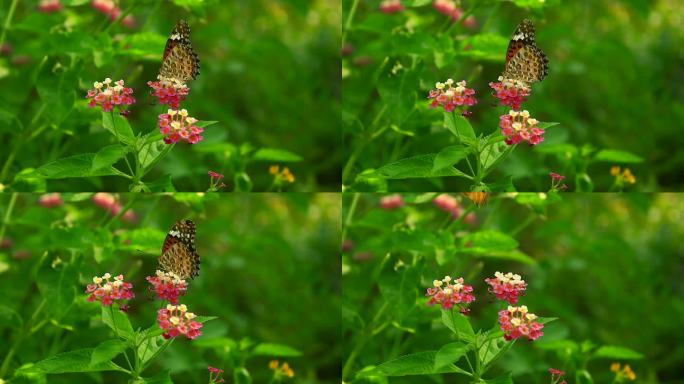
(525, 62)
(180, 61)
(178, 254)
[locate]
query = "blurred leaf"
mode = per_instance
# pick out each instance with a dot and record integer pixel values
(106, 351)
(204, 319)
(10, 318)
(117, 320)
(163, 377)
(615, 156)
(485, 46)
(564, 345)
(546, 124)
(119, 127)
(242, 181)
(616, 353)
(398, 92)
(142, 45)
(150, 153)
(492, 153)
(505, 379)
(56, 285)
(148, 347)
(538, 4)
(422, 363)
(242, 376)
(450, 354)
(107, 157)
(493, 244)
(9, 122)
(146, 239)
(206, 123)
(458, 324)
(415, 167)
(73, 361)
(459, 126)
(55, 86)
(275, 155)
(74, 166)
(163, 184)
(276, 350)
(398, 288)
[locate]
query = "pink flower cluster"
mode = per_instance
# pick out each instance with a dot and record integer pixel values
(215, 375)
(518, 126)
(450, 9)
(48, 6)
(556, 376)
(507, 287)
(391, 6)
(167, 286)
(178, 126)
(448, 204)
(50, 200)
(108, 202)
(215, 181)
(557, 182)
(107, 96)
(510, 92)
(391, 202)
(109, 9)
(449, 97)
(106, 291)
(169, 91)
(447, 293)
(517, 322)
(176, 320)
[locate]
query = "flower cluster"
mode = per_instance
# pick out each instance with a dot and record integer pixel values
(167, 286)
(178, 126)
(448, 204)
(215, 375)
(280, 176)
(50, 200)
(556, 376)
(622, 374)
(519, 126)
(623, 177)
(506, 287)
(108, 202)
(449, 97)
(49, 6)
(109, 9)
(510, 92)
(280, 370)
(169, 91)
(557, 182)
(391, 202)
(215, 181)
(176, 320)
(106, 291)
(107, 96)
(450, 9)
(391, 6)
(447, 293)
(517, 322)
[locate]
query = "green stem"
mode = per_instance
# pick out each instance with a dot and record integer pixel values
(8, 21)
(116, 132)
(349, 364)
(166, 344)
(116, 331)
(123, 210)
(350, 215)
(8, 214)
(348, 23)
(370, 137)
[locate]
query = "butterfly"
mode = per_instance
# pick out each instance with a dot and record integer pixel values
(178, 254)
(478, 198)
(180, 61)
(525, 62)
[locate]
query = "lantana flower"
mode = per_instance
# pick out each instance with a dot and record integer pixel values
(556, 376)
(623, 177)
(518, 322)
(176, 320)
(557, 182)
(48, 6)
(449, 97)
(450, 9)
(280, 370)
(448, 292)
(50, 200)
(507, 287)
(448, 204)
(215, 375)
(511, 92)
(622, 374)
(391, 6)
(107, 95)
(167, 286)
(169, 91)
(112, 11)
(108, 202)
(518, 126)
(391, 202)
(215, 182)
(280, 176)
(106, 291)
(178, 126)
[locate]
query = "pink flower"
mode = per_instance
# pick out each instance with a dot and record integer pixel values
(108, 202)
(518, 126)
(448, 204)
(178, 126)
(391, 202)
(50, 200)
(470, 218)
(556, 375)
(449, 97)
(106, 292)
(215, 182)
(447, 293)
(215, 375)
(516, 322)
(49, 6)
(391, 6)
(556, 177)
(510, 92)
(167, 286)
(169, 91)
(447, 8)
(112, 11)
(506, 287)
(557, 182)
(107, 96)
(176, 320)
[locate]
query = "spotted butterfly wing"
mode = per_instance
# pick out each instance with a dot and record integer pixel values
(178, 254)
(524, 60)
(180, 61)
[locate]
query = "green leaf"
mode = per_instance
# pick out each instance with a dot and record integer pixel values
(422, 363)
(163, 377)
(458, 324)
(106, 157)
(450, 354)
(398, 287)
(148, 347)
(275, 155)
(119, 127)
(546, 124)
(106, 351)
(146, 239)
(150, 153)
(163, 184)
(615, 352)
(56, 88)
(242, 376)
(206, 123)
(56, 285)
(142, 45)
(271, 349)
(118, 321)
(414, 167)
(9, 122)
(73, 166)
(505, 379)
(73, 361)
(537, 4)
(10, 318)
(484, 46)
(492, 153)
(459, 126)
(615, 156)
(493, 244)
(204, 319)
(398, 92)
(449, 156)
(242, 182)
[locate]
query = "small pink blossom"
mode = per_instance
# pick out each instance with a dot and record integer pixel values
(107, 96)
(449, 97)
(511, 92)
(215, 375)
(169, 91)
(178, 126)
(391, 202)
(448, 292)
(215, 181)
(557, 182)
(112, 11)
(450, 9)
(517, 322)
(448, 204)
(108, 202)
(48, 6)
(50, 200)
(518, 126)
(175, 320)
(167, 286)
(506, 287)
(106, 291)
(391, 6)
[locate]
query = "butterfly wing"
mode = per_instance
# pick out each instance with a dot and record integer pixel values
(178, 253)
(180, 61)
(524, 60)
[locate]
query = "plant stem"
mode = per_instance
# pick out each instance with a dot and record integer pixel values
(8, 214)
(350, 215)
(8, 21)
(348, 23)
(116, 132)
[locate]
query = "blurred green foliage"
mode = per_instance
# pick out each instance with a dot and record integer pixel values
(607, 266)
(268, 270)
(269, 75)
(613, 87)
